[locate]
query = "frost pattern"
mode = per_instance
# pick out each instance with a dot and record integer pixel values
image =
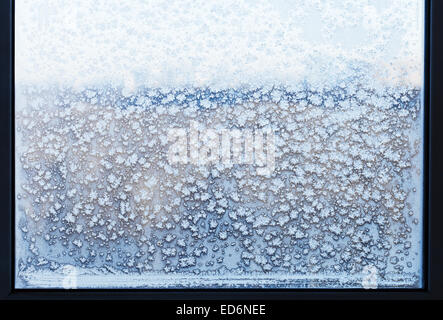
(96, 194)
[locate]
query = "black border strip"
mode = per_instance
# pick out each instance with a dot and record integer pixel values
(6, 145)
(435, 136)
(433, 183)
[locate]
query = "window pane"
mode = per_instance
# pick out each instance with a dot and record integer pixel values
(236, 143)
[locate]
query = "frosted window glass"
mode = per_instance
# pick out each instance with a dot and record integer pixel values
(200, 143)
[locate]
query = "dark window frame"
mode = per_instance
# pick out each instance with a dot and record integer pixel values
(433, 202)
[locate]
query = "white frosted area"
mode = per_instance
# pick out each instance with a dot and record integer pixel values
(99, 85)
(216, 43)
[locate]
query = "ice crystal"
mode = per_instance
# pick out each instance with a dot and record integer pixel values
(97, 194)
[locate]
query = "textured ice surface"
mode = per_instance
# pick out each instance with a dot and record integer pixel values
(99, 85)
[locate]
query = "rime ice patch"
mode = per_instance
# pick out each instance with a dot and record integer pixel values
(228, 144)
(98, 190)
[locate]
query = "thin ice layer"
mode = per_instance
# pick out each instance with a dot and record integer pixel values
(100, 86)
(99, 193)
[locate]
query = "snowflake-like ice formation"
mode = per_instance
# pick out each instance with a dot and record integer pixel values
(96, 194)
(98, 191)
